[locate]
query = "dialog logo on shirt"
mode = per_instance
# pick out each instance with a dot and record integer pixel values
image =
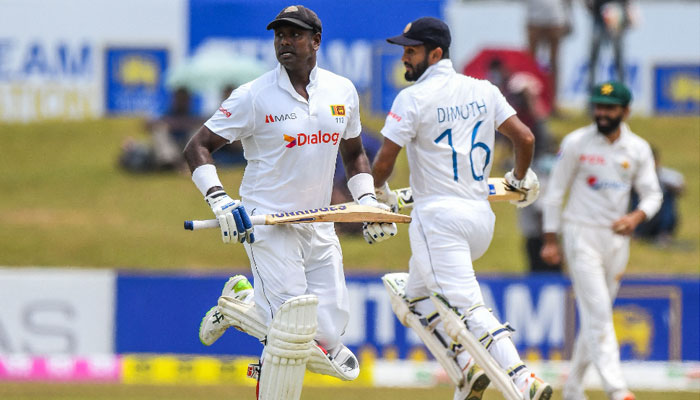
(338, 110)
(269, 118)
(302, 139)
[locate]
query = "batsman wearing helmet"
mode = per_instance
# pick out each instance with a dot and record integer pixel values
(292, 122)
(598, 165)
(447, 123)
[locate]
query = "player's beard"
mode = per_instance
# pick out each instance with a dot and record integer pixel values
(611, 124)
(416, 71)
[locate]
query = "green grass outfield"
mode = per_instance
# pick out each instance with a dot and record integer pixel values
(33, 391)
(63, 202)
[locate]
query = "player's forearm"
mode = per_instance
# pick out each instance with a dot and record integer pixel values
(384, 162)
(199, 149)
(354, 158)
(523, 144)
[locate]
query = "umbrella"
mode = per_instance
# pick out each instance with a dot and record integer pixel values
(212, 69)
(515, 62)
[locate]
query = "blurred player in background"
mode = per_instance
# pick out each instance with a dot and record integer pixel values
(292, 122)
(598, 164)
(447, 123)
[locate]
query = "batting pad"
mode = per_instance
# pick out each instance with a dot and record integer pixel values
(288, 347)
(395, 284)
(246, 317)
(457, 329)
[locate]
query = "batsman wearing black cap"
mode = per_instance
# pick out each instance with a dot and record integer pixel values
(292, 122)
(447, 123)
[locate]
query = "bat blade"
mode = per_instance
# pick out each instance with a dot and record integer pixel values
(337, 213)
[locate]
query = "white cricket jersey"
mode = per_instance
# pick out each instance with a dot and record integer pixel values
(600, 175)
(447, 123)
(291, 144)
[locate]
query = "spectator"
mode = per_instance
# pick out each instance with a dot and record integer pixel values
(548, 22)
(611, 18)
(169, 134)
(661, 228)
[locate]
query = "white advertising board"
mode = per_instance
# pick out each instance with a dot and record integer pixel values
(52, 52)
(45, 311)
(667, 31)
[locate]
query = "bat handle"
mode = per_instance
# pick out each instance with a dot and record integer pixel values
(201, 224)
(194, 225)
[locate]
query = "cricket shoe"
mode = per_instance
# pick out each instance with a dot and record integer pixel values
(475, 383)
(535, 388)
(215, 323)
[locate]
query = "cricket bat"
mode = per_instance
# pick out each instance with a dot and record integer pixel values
(352, 212)
(337, 213)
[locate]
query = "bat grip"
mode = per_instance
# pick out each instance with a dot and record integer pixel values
(194, 225)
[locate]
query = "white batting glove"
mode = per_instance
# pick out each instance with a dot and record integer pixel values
(233, 220)
(386, 196)
(529, 185)
(376, 231)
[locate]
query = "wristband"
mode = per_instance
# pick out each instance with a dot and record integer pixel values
(205, 177)
(360, 185)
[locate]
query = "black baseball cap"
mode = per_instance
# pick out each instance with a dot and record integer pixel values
(424, 30)
(299, 16)
(611, 93)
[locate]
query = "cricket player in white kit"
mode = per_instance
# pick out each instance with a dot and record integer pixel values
(598, 164)
(292, 121)
(447, 122)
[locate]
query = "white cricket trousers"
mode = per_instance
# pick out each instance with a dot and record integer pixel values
(596, 258)
(290, 260)
(446, 237)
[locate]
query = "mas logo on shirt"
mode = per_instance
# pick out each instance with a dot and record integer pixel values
(269, 118)
(319, 137)
(338, 110)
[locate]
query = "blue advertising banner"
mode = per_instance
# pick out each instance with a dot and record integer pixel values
(656, 319)
(677, 89)
(135, 81)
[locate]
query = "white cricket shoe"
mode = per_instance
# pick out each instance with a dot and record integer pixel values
(214, 323)
(475, 383)
(535, 388)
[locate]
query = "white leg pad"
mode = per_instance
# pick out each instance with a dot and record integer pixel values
(395, 284)
(457, 329)
(288, 348)
(246, 317)
(321, 362)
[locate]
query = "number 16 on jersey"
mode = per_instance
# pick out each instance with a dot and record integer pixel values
(447, 134)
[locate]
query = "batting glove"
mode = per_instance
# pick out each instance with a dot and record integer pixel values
(377, 231)
(529, 185)
(233, 220)
(386, 196)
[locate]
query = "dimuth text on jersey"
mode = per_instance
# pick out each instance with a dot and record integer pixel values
(463, 111)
